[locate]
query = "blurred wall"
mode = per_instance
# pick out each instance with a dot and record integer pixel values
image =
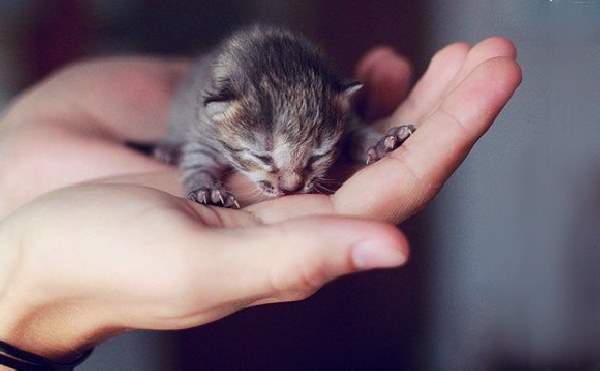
(12, 19)
(516, 234)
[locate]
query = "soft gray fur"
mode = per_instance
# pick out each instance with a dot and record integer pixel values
(263, 103)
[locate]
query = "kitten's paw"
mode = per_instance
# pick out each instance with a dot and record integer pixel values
(213, 196)
(393, 138)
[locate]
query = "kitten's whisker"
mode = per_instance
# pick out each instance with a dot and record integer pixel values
(335, 185)
(328, 180)
(323, 192)
(322, 187)
(332, 184)
(318, 190)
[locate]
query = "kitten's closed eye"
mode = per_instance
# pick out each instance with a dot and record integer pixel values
(313, 159)
(265, 159)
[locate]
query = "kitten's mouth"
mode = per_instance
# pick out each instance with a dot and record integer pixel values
(267, 191)
(272, 192)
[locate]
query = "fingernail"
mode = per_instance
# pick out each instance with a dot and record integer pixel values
(368, 255)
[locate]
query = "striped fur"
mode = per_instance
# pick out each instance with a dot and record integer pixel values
(263, 103)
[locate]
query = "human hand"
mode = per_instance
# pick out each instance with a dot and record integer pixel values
(72, 128)
(84, 263)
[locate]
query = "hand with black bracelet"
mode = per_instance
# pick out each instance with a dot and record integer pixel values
(96, 239)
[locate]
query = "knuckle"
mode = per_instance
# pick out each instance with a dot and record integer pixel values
(453, 120)
(401, 155)
(426, 183)
(455, 49)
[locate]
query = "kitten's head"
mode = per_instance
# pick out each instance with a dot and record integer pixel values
(278, 110)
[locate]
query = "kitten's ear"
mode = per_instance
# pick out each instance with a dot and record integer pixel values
(351, 88)
(349, 93)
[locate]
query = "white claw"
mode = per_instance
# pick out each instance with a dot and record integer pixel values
(221, 198)
(370, 156)
(236, 204)
(204, 198)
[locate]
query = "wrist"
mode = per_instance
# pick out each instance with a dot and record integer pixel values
(32, 319)
(46, 331)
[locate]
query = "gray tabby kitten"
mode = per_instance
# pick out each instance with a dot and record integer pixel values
(265, 104)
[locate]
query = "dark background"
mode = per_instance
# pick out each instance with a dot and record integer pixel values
(505, 271)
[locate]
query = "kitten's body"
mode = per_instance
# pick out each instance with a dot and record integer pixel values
(263, 103)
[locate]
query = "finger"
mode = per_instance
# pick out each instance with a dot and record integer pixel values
(447, 70)
(386, 76)
(492, 47)
(397, 186)
(291, 207)
(287, 261)
(427, 92)
(168, 179)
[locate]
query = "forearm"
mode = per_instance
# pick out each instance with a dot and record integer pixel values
(72, 126)
(124, 97)
(40, 154)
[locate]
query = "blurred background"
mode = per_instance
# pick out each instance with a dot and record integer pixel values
(505, 273)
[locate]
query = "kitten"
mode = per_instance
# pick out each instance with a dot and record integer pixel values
(265, 104)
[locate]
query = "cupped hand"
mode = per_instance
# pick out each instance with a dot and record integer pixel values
(87, 262)
(124, 252)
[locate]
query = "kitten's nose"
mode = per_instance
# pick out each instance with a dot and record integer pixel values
(290, 182)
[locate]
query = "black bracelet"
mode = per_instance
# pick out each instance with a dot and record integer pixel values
(21, 360)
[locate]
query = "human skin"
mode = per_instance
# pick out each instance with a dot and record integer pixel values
(124, 251)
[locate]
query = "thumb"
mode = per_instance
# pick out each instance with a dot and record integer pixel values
(291, 260)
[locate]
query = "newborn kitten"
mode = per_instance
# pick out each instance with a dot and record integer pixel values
(265, 104)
